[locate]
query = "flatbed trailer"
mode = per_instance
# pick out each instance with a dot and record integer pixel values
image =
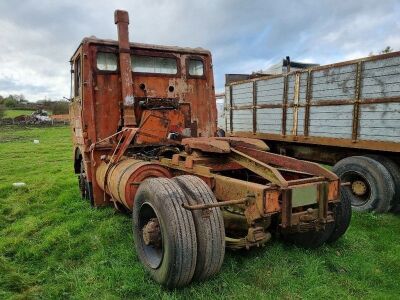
(345, 114)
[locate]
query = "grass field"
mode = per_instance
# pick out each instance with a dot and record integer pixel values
(54, 245)
(12, 113)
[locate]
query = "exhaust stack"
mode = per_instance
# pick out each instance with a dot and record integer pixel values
(121, 18)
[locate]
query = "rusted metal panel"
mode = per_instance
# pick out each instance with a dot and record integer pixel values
(289, 163)
(207, 145)
(121, 180)
(121, 18)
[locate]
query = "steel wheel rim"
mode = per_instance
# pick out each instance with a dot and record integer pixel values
(356, 179)
(153, 254)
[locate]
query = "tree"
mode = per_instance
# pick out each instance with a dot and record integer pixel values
(10, 101)
(59, 107)
(2, 111)
(388, 49)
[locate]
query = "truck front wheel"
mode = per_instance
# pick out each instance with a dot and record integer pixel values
(85, 187)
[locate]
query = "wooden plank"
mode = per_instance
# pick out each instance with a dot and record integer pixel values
(334, 71)
(382, 63)
(378, 72)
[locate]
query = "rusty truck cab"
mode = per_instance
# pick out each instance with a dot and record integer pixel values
(144, 127)
(161, 75)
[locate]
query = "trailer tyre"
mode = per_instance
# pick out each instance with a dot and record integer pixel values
(342, 215)
(310, 239)
(371, 185)
(209, 227)
(164, 232)
(394, 171)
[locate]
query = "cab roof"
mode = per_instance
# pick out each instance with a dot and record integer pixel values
(174, 49)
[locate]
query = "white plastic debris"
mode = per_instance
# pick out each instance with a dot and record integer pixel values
(19, 184)
(36, 141)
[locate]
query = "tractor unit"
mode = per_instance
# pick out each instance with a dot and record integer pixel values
(144, 124)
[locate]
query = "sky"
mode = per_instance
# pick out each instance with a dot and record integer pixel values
(37, 38)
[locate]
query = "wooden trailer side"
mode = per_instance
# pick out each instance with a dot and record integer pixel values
(353, 104)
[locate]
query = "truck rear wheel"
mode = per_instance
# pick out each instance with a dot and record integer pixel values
(310, 239)
(342, 215)
(209, 225)
(164, 232)
(394, 171)
(371, 185)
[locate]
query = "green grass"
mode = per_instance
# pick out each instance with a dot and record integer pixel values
(12, 113)
(54, 245)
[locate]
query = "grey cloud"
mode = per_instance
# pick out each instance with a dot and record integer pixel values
(242, 35)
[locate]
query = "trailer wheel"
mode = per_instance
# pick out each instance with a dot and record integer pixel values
(371, 185)
(342, 215)
(164, 232)
(209, 225)
(394, 171)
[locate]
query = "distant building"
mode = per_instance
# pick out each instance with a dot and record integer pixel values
(283, 67)
(286, 66)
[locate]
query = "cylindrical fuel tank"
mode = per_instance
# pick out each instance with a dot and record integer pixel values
(124, 177)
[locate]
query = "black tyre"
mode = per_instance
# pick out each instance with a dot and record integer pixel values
(394, 171)
(164, 232)
(85, 187)
(82, 181)
(210, 230)
(220, 132)
(371, 185)
(342, 215)
(311, 239)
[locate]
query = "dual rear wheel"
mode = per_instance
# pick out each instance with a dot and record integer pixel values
(332, 231)
(177, 245)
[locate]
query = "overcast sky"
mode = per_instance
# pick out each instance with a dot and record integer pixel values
(37, 38)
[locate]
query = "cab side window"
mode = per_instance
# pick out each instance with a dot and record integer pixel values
(78, 74)
(195, 67)
(107, 61)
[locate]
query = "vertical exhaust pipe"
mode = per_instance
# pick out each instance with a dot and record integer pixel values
(121, 18)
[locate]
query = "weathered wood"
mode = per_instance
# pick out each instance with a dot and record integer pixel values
(328, 105)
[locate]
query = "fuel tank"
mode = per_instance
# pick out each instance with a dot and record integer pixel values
(122, 179)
